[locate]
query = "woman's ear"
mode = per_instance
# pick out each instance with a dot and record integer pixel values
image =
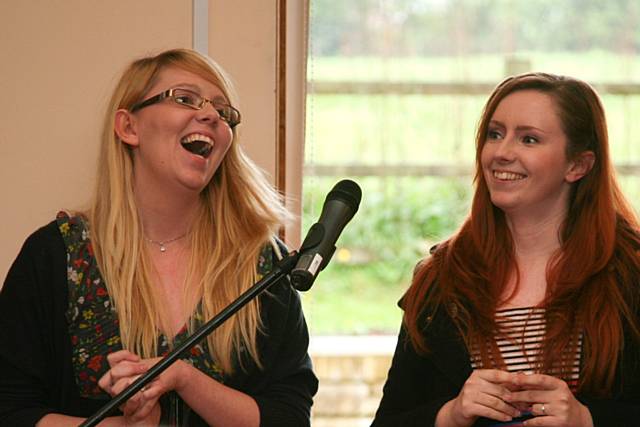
(125, 127)
(580, 166)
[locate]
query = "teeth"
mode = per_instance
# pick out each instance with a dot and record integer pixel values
(198, 144)
(196, 137)
(507, 176)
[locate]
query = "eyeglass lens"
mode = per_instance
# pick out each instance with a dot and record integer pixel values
(193, 100)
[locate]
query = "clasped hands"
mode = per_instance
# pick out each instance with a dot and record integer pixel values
(142, 408)
(503, 396)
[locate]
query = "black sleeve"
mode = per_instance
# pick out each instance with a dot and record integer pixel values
(36, 374)
(30, 324)
(613, 412)
(414, 391)
(287, 399)
(623, 408)
(285, 386)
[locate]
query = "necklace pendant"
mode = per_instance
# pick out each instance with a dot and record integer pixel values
(163, 245)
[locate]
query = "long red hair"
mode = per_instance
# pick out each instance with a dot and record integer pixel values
(591, 280)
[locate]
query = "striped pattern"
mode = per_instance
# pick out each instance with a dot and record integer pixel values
(520, 338)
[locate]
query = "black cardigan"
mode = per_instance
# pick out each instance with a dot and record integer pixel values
(36, 374)
(419, 385)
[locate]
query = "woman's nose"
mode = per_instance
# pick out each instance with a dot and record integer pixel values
(506, 148)
(208, 113)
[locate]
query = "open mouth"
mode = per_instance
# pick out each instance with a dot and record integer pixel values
(198, 144)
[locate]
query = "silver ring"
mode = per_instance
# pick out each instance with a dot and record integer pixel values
(542, 409)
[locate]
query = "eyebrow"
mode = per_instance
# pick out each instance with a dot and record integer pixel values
(189, 86)
(518, 128)
(197, 89)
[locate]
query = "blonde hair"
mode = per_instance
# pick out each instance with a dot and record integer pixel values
(239, 213)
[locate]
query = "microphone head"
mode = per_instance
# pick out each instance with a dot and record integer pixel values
(347, 191)
(340, 206)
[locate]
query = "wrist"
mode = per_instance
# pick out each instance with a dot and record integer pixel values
(445, 416)
(183, 376)
(450, 415)
(117, 421)
(587, 419)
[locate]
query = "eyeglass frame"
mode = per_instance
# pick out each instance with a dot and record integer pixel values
(169, 93)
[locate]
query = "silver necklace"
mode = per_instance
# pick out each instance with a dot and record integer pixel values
(163, 244)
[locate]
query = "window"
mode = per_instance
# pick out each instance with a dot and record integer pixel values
(395, 88)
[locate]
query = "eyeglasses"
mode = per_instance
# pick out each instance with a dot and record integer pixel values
(193, 100)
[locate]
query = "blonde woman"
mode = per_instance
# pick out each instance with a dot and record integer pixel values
(181, 224)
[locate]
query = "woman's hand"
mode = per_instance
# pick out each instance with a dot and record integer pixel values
(551, 401)
(142, 408)
(486, 393)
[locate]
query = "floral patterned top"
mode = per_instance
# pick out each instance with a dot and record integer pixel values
(93, 321)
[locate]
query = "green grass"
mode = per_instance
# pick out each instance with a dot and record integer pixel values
(592, 66)
(387, 129)
(349, 300)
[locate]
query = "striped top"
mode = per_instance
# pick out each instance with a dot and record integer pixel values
(520, 335)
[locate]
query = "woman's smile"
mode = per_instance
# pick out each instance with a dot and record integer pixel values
(198, 144)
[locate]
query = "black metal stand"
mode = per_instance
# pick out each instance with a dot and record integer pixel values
(282, 268)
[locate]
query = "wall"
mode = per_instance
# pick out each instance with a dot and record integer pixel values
(352, 371)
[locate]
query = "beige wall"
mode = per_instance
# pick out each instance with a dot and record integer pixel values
(60, 60)
(295, 100)
(256, 83)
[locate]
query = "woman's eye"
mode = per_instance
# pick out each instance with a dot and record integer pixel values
(223, 112)
(493, 134)
(529, 139)
(185, 99)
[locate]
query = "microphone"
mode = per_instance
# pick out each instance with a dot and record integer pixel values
(318, 247)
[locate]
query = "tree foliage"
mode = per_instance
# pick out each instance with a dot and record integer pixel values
(453, 27)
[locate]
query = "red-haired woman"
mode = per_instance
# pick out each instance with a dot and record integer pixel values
(528, 315)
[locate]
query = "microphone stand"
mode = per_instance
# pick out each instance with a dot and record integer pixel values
(282, 268)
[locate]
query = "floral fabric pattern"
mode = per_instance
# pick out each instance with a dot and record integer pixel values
(93, 322)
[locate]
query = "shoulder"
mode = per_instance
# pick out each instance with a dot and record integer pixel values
(72, 227)
(39, 270)
(626, 258)
(627, 234)
(281, 299)
(280, 295)
(272, 251)
(419, 269)
(43, 255)
(45, 239)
